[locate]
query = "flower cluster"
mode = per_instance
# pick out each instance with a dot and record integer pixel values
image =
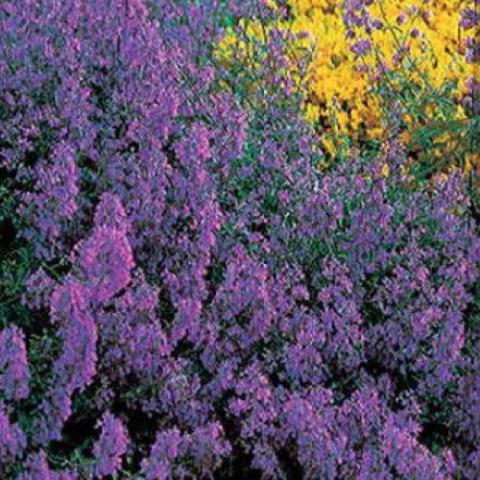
(14, 374)
(356, 41)
(110, 447)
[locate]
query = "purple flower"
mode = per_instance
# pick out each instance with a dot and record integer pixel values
(167, 447)
(470, 17)
(110, 447)
(106, 261)
(37, 468)
(75, 368)
(361, 47)
(14, 374)
(12, 439)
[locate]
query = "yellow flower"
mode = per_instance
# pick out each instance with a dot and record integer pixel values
(472, 161)
(343, 99)
(385, 170)
(312, 112)
(335, 79)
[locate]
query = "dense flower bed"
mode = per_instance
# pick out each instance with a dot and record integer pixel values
(184, 293)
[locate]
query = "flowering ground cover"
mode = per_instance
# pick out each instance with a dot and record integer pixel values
(239, 240)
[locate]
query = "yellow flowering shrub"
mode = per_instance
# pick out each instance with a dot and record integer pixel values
(339, 82)
(343, 97)
(343, 87)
